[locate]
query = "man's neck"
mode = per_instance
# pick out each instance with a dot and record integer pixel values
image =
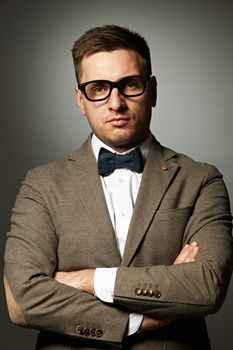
(144, 146)
(123, 148)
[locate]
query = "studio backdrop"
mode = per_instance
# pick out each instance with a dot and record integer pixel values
(192, 54)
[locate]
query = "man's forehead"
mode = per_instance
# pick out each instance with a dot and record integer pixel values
(110, 64)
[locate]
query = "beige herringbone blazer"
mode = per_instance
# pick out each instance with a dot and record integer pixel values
(60, 222)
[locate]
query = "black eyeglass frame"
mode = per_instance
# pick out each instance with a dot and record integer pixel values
(113, 84)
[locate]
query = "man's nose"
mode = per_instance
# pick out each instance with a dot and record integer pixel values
(116, 100)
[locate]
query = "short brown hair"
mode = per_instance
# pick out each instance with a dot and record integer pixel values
(109, 38)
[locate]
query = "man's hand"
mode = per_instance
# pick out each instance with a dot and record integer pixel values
(188, 254)
(151, 324)
(80, 279)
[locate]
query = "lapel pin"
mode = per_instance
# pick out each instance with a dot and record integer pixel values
(164, 168)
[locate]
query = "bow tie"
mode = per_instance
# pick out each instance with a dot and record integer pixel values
(109, 161)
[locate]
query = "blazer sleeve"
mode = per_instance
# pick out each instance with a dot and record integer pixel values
(189, 289)
(34, 298)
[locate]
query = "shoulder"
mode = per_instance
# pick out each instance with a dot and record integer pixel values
(57, 169)
(190, 166)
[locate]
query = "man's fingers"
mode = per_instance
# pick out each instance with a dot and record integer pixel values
(150, 324)
(188, 253)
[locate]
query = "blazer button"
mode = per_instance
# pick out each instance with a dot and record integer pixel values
(79, 330)
(86, 331)
(93, 332)
(150, 293)
(138, 291)
(144, 292)
(99, 333)
(157, 293)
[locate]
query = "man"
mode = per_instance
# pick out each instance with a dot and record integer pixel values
(124, 243)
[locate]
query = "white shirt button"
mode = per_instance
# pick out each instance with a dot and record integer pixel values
(122, 214)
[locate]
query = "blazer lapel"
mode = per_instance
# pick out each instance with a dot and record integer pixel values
(83, 171)
(157, 175)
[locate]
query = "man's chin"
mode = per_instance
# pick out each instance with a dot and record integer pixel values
(123, 144)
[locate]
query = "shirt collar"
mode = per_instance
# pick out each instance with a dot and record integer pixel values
(144, 146)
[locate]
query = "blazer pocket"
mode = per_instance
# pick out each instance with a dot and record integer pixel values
(173, 214)
(165, 237)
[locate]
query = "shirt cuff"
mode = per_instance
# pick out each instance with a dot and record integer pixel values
(135, 321)
(104, 282)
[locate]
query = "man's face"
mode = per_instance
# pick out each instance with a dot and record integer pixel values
(120, 122)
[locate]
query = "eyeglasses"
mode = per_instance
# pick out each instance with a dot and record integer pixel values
(99, 90)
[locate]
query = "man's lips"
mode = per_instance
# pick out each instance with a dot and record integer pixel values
(120, 121)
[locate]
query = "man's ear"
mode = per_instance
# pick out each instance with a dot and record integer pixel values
(153, 91)
(79, 100)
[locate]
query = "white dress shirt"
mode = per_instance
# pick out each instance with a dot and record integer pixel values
(120, 190)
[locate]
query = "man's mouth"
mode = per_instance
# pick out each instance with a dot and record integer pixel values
(119, 122)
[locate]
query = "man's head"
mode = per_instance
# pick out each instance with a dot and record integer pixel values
(115, 90)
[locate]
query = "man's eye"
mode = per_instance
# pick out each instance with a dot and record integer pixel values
(97, 89)
(131, 84)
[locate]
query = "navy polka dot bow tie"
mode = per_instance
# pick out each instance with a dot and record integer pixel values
(109, 161)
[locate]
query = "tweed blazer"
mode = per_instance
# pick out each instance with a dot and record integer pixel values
(61, 222)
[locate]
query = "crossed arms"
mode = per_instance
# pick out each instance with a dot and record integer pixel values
(83, 280)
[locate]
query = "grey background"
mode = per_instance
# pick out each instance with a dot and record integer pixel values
(192, 55)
